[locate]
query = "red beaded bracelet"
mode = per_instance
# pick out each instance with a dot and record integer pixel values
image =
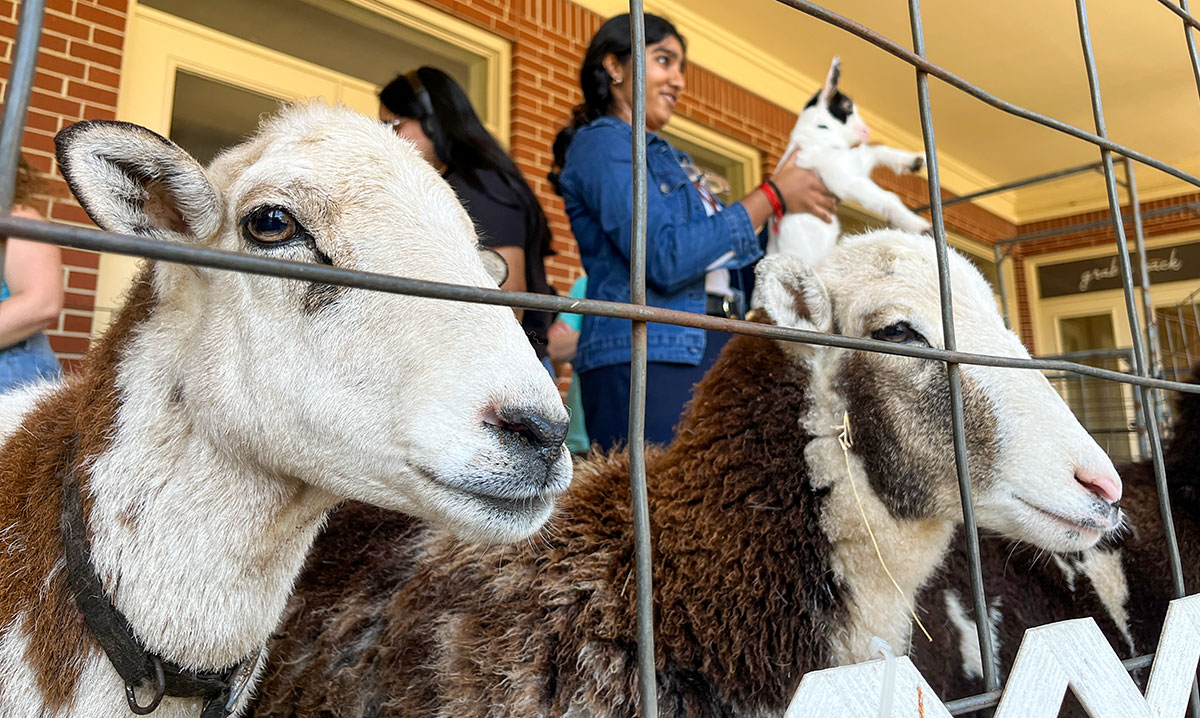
(773, 195)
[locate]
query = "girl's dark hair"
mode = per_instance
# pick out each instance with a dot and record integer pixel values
(462, 143)
(29, 183)
(611, 39)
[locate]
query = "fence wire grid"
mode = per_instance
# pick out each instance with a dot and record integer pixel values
(1142, 382)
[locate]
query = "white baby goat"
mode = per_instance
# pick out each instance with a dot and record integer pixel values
(831, 138)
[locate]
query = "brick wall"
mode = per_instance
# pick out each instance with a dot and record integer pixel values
(77, 76)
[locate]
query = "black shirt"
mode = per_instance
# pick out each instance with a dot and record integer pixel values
(503, 218)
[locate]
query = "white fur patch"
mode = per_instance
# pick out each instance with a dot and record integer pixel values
(968, 633)
(15, 404)
(1107, 575)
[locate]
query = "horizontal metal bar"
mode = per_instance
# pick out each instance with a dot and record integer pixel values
(1126, 354)
(974, 703)
(992, 698)
(1000, 189)
(1187, 17)
(866, 33)
(1193, 206)
(95, 240)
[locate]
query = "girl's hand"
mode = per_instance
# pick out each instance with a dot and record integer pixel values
(803, 191)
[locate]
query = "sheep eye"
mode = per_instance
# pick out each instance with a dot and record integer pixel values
(898, 333)
(270, 225)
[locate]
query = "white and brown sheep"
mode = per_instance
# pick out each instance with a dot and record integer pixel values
(763, 569)
(1124, 582)
(223, 415)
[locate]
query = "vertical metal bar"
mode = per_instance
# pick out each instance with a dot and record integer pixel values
(1001, 285)
(1171, 341)
(1153, 360)
(987, 651)
(1154, 352)
(643, 558)
(1187, 351)
(1169, 357)
(16, 101)
(1191, 44)
(1139, 350)
(1191, 299)
(1083, 405)
(1195, 314)
(1139, 424)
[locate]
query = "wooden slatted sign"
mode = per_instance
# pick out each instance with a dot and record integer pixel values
(1070, 655)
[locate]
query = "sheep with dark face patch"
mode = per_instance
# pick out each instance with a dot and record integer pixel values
(763, 569)
(1124, 583)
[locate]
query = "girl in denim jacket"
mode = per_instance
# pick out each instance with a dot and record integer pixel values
(692, 240)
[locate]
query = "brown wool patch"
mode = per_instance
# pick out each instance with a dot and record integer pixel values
(31, 466)
(393, 619)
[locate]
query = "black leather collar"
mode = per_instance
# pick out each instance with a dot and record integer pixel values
(137, 667)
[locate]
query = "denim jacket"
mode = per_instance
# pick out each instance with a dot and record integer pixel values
(682, 241)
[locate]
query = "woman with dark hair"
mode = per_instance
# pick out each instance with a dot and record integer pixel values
(427, 107)
(692, 240)
(31, 295)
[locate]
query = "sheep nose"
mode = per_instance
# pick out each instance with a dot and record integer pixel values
(534, 427)
(1103, 484)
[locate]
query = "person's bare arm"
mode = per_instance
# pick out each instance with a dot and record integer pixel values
(515, 256)
(33, 272)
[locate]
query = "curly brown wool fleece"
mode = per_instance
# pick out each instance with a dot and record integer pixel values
(1032, 589)
(62, 433)
(393, 619)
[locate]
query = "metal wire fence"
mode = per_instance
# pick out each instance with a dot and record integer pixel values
(1108, 411)
(1140, 381)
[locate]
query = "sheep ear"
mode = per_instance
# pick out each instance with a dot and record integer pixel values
(793, 294)
(132, 181)
(494, 264)
(831, 81)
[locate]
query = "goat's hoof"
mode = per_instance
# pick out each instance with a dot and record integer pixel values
(917, 165)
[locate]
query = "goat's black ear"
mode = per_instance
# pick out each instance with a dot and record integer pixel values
(495, 265)
(793, 295)
(133, 181)
(831, 81)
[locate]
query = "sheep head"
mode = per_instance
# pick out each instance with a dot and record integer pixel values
(1036, 474)
(433, 407)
